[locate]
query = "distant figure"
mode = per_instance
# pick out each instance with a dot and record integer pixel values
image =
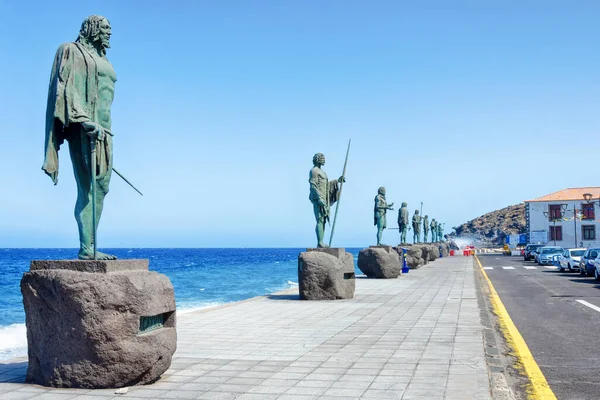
(403, 221)
(380, 210)
(440, 235)
(82, 87)
(425, 228)
(416, 225)
(433, 227)
(323, 193)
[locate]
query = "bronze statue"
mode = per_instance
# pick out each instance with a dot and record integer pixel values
(380, 210)
(82, 85)
(433, 227)
(403, 221)
(425, 228)
(323, 194)
(416, 225)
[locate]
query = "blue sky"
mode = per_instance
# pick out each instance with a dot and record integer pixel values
(220, 106)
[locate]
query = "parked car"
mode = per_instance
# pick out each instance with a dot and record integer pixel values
(569, 259)
(596, 269)
(547, 254)
(529, 250)
(586, 264)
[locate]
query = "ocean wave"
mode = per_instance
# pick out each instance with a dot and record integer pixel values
(292, 283)
(13, 341)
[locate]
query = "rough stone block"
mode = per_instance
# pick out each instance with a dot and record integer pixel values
(380, 262)
(325, 276)
(90, 329)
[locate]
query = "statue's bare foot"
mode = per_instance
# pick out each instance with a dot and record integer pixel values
(85, 254)
(322, 246)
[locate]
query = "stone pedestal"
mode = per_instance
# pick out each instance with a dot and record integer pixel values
(380, 262)
(326, 274)
(97, 324)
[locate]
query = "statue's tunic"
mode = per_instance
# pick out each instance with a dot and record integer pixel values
(322, 188)
(416, 223)
(380, 211)
(403, 217)
(426, 225)
(81, 89)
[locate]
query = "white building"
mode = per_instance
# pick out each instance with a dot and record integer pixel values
(565, 217)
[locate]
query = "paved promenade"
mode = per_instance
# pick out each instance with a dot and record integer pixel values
(415, 337)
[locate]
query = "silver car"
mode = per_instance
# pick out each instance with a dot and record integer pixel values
(548, 253)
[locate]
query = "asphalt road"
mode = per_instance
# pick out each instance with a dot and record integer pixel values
(562, 334)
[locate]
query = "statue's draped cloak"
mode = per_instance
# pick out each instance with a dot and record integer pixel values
(72, 98)
(322, 188)
(380, 210)
(403, 216)
(425, 224)
(416, 223)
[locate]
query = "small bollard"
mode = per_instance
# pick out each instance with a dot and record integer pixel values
(441, 252)
(405, 268)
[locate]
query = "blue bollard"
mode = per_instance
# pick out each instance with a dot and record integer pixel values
(405, 268)
(441, 254)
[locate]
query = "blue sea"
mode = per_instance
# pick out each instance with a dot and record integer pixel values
(202, 278)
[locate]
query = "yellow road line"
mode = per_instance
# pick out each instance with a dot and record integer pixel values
(538, 389)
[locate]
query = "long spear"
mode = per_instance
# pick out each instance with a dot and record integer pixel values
(337, 206)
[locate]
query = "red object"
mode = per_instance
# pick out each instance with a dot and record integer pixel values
(451, 252)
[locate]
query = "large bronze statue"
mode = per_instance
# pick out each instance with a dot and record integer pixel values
(82, 85)
(323, 193)
(440, 233)
(416, 225)
(403, 221)
(425, 228)
(381, 208)
(433, 227)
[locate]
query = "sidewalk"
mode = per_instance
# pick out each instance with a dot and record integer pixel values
(415, 337)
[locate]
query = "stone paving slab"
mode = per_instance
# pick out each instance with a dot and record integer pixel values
(415, 337)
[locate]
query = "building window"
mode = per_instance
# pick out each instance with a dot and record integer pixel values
(588, 232)
(556, 233)
(554, 212)
(587, 211)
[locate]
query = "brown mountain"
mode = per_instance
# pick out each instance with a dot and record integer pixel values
(491, 229)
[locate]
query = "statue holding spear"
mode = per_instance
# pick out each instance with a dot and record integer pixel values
(323, 194)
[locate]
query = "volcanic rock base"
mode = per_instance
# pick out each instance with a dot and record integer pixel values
(326, 274)
(379, 262)
(97, 324)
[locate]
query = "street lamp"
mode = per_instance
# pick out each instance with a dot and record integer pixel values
(555, 217)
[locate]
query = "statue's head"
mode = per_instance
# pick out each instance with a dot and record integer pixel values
(95, 31)
(404, 204)
(319, 159)
(381, 190)
(426, 216)
(417, 212)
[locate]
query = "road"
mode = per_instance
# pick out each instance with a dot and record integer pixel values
(562, 334)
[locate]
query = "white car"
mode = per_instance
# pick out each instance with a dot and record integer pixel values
(569, 259)
(597, 268)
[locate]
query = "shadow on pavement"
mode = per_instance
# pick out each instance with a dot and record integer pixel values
(13, 372)
(283, 297)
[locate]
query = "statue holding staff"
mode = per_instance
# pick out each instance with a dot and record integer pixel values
(80, 95)
(380, 210)
(403, 221)
(323, 194)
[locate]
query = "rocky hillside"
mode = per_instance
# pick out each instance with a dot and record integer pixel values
(491, 229)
